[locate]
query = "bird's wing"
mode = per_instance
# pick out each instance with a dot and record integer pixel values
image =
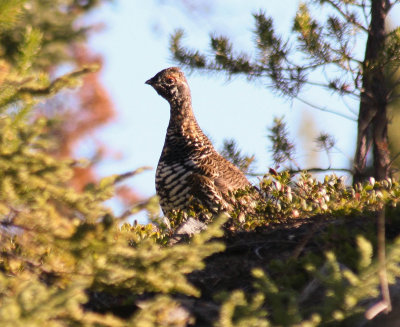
(204, 191)
(219, 174)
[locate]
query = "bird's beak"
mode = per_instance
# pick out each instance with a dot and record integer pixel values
(150, 81)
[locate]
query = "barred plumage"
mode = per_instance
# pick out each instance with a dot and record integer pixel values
(190, 171)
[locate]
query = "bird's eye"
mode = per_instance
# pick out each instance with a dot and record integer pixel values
(169, 80)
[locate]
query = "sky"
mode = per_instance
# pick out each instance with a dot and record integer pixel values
(134, 44)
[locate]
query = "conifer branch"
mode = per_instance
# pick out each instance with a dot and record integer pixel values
(67, 80)
(346, 16)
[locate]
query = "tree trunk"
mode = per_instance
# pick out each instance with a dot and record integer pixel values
(372, 119)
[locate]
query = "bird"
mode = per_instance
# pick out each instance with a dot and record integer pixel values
(190, 172)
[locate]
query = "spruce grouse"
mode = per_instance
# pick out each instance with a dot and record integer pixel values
(190, 172)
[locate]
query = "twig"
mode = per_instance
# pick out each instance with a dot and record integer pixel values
(346, 15)
(59, 82)
(124, 176)
(300, 247)
(394, 159)
(310, 170)
(365, 14)
(375, 310)
(326, 109)
(319, 170)
(257, 252)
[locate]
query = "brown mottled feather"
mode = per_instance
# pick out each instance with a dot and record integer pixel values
(190, 170)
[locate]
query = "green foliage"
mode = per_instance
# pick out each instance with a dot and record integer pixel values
(69, 242)
(340, 294)
(59, 245)
(282, 147)
(56, 20)
(321, 52)
(240, 312)
(325, 142)
(324, 51)
(29, 49)
(285, 197)
(310, 36)
(326, 43)
(63, 250)
(9, 12)
(162, 311)
(27, 301)
(187, 57)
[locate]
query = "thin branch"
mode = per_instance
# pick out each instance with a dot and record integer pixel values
(300, 247)
(394, 159)
(346, 15)
(310, 170)
(320, 170)
(326, 86)
(395, 97)
(58, 83)
(324, 109)
(376, 309)
(124, 176)
(343, 153)
(390, 5)
(364, 6)
(350, 108)
(349, 58)
(354, 94)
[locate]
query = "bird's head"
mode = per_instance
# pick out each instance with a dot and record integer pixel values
(171, 84)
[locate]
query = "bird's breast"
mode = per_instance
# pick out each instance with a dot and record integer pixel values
(173, 185)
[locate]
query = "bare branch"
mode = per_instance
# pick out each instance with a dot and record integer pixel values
(324, 109)
(350, 108)
(319, 170)
(124, 176)
(310, 170)
(365, 13)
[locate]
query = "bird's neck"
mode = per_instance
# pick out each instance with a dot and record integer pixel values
(182, 117)
(183, 127)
